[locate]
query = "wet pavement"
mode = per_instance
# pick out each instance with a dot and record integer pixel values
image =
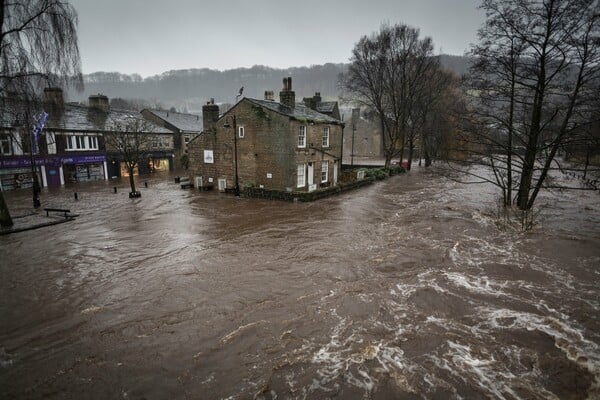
(412, 287)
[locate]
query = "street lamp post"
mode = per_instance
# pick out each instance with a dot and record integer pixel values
(236, 189)
(26, 130)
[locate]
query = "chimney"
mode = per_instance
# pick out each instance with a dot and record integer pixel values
(317, 98)
(312, 102)
(269, 95)
(99, 102)
(53, 96)
(210, 115)
(287, 96)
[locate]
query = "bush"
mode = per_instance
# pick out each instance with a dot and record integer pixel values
(377, 173)
(397, 170)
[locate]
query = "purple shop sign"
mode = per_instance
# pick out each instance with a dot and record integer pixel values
(83, 159)
(16, 162)
(56, 161)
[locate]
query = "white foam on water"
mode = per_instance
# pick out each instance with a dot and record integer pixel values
(482, 368)
(478, 284)
(473, 251)
(426, 279)
(345, 355)
(231, 335)
(567, 338)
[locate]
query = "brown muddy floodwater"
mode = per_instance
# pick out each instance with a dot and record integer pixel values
(404, 289)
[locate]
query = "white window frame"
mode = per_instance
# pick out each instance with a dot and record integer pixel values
(302, 136)
(301, 175)
(71, 142)
(325, 142)
(324, 171)
(81, 142)
(92, 142)
(241, 132)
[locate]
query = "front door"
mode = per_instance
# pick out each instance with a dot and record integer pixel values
(53, 176)
(222, 184)
(311, 177)
(335, 173)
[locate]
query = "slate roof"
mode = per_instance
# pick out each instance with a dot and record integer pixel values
(326, 106)
(75, 117)
(183, 122)
(299, 112)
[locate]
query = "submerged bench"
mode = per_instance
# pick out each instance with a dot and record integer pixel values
(186, 185)
(58, 210)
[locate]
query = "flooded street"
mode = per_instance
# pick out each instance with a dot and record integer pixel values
(406, 288)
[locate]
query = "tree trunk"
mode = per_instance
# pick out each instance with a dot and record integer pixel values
(383, 148)
(427, 157)
(410, 152)
(532, 143)
(587, 163)
(5, 218)
(131, 180)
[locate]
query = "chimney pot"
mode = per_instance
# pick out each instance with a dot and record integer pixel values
(287, 96)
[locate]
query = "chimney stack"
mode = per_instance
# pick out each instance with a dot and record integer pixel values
(269, 95)
(99, 102)
(210, 115)
(53, 96)
(287, 96)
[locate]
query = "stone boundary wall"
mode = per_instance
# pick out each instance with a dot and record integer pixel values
(303, 196)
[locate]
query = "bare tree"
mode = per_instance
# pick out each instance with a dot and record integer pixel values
(38, 45)
(535, 64)
(434, 106)
(388, 71)
(131, 138)
(365, 80)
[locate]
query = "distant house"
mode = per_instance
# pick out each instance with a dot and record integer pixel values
(185, 127)
(263, 143)
(329, 108)
(72, 146)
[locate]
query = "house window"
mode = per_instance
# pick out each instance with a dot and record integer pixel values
(301, 175)
(82, 142)
(324, 171)
(5, 147)
(326, 136)
(302, 136)
(93, 142)
(241, 132)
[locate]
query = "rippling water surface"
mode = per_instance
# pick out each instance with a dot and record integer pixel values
(407, 288)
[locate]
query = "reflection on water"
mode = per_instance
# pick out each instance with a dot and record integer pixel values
(403, 289)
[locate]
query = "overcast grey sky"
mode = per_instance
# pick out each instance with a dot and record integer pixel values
(150, 37)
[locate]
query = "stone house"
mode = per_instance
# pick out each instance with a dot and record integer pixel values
(184, 126)
(273, 145)
(329, 108)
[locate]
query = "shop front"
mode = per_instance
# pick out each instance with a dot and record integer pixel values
(157, 161)
(16, 173)
(84, 168)
(53, 171)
